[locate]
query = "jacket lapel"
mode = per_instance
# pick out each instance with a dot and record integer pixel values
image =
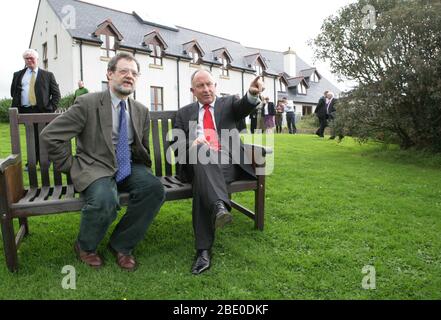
(135, 119)
(105, 115)
(218, 114)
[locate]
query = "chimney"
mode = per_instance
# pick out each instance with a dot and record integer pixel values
(290, 62)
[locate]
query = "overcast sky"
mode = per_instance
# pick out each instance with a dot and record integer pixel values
(267, 24)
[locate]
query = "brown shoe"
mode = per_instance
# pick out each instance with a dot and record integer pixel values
(124, 261)
(90, 258)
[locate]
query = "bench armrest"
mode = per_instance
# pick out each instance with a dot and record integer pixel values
(257, 154)
(11, 179)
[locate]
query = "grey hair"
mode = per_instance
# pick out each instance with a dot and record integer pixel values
(200, 70)
(122, 55)
(31, 52)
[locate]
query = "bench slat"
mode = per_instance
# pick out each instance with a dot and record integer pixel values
(166, 144)
(156, 148)
(44, 159)
(32, 157)
(30, 195)
(56, 194)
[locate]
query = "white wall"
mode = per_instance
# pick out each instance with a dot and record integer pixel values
(46, 27)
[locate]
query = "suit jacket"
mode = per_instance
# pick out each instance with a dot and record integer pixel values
(90, 120)
(320, 110)
(271, 109)
(227, 112)
(331, 109)
(46, 90)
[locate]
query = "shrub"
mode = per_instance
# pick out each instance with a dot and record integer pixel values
(4, 109)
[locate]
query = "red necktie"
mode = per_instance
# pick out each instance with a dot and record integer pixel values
(209, 129)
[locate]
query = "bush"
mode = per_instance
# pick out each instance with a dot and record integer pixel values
(307, 122)
(66, 102)
(4, 110)
(396, 62)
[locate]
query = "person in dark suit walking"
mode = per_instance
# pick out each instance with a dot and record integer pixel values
(214, 165)
(321, 114)
(34, 90)
(112, 156)
(331, 113)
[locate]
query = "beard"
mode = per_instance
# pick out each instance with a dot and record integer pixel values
(118, 88)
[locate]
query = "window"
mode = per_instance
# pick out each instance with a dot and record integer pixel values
(306, 110)
(156, 101)
(156, 54)
(282, 86)
(45, 60)
(224, 68)
(301, 89)
(104, 85)
(314, 77)
(194, 57)
(258, 68)
(108, 46)
(56, 45)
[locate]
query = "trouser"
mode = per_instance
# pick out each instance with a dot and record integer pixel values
(210, 185)
(323, 124)
(291, 121)
(146, 197)
(253, 124)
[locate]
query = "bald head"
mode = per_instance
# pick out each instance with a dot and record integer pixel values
(203, 86)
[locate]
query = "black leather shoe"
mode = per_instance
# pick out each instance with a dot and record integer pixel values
(223, 217)
(202, 262)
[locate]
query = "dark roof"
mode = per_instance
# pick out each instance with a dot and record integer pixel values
(134, 28)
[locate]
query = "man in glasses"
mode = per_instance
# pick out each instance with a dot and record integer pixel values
(112, 132)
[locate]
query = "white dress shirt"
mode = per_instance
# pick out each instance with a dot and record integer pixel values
(25, 82)
(200, 130)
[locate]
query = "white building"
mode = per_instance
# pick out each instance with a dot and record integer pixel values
(76, 40)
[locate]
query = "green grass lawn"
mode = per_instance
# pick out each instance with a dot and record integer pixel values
(331, 209)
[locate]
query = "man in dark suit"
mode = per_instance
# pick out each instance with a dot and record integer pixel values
(112, 132)
(331, 112)
(34, 90)
(321, 114)
(204, 157)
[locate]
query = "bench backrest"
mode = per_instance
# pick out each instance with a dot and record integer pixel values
(161, 123)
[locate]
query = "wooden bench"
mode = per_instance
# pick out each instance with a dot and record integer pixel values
(49, 192)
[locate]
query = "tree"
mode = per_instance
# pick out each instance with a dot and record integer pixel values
(392, 50)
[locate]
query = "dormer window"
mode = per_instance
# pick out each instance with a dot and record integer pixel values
(194, 57)
(156, 54)
(301, 88)
(314, 77)
(156, 45)
(257, 63)
(109, 36)
(258, 68)
(108, 49)
(223, 56)
(194, 51)
(282, 85)
(225, 63)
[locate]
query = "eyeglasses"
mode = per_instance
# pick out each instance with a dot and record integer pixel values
(125, 72)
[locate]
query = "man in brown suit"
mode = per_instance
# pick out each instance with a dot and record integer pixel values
(112, 132)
